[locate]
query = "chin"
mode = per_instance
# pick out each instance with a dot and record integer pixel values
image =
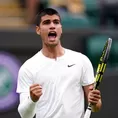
(52, 44)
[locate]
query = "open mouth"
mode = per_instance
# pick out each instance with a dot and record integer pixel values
(52, 34)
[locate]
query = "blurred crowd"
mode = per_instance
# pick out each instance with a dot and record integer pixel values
(70, 8)
(74, 13)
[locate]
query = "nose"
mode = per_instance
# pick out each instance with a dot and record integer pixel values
(52, 25)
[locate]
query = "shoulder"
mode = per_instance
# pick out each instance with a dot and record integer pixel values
(30, 63)
(70, 52)
(77, 55)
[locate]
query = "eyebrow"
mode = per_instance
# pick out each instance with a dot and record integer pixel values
(56, 20)
(50, 20)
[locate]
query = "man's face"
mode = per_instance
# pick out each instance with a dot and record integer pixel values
(50, 30)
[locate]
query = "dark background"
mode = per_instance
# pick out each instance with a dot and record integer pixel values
(25, 43)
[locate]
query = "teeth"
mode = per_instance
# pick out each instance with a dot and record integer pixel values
(52, 32)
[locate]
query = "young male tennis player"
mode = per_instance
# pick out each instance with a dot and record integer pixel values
(52, 83)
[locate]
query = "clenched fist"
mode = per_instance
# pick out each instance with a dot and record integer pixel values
(35, 92)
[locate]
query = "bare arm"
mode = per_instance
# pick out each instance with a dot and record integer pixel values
(93, 97)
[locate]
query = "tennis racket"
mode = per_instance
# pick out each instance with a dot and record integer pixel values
(100, 71)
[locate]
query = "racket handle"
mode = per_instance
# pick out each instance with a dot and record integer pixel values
(87, 114)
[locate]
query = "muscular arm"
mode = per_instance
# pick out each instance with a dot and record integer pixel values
(93, 97)
(26, 107)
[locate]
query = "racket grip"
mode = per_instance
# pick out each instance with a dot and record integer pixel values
(87, 114)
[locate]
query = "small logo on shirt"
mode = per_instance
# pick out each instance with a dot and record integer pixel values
(71, 65)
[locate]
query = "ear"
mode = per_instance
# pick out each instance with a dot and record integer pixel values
(38, 30)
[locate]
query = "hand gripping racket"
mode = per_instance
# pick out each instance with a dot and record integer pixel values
(100, 71)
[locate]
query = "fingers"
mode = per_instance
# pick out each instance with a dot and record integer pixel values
(95, 93)
(94, 96)
(35, 92)
(35, 87)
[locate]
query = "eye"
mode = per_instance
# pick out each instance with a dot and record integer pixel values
(46, 22)
(56, 22)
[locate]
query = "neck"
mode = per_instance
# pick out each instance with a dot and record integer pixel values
(53, 52)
